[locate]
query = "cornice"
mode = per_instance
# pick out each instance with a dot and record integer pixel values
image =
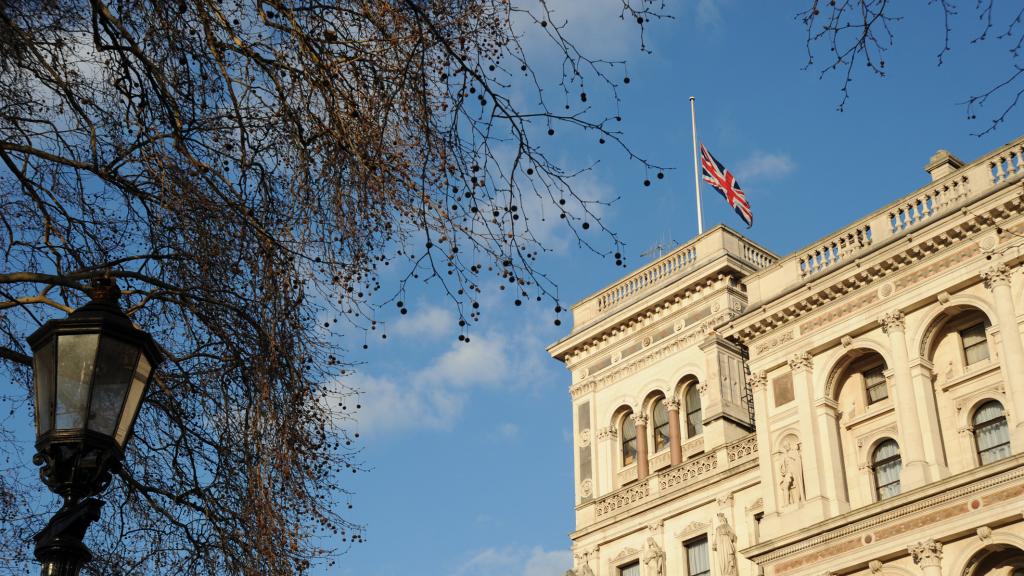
(762, 319)
(616, 371)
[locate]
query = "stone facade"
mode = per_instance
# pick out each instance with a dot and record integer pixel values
(854, 408)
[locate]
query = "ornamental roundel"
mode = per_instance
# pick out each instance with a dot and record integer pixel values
(584, 439)
(886, 290)
(587, 488)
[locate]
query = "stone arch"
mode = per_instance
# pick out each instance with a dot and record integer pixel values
(622, 406)
(654, 390)
(857, 350)
(940, 314)
(996, 542)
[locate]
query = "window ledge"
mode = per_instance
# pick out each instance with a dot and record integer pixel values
(876, 410)
(971, 373)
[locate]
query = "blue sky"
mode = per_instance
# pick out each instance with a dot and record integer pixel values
(467, 446)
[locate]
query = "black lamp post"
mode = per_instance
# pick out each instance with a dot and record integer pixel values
(91, 373)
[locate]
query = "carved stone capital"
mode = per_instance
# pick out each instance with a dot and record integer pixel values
(672, 404)
(758, 380)
(606, 433)
(892, 322)
(801, 361)
(996, 275)
(926, 553)
(875, 566)
(640, 419)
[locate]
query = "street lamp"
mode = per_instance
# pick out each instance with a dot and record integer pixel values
(91, 372)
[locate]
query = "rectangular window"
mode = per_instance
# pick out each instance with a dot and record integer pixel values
(875, 385)
(631, 569)
(975, 343)
(697, 563)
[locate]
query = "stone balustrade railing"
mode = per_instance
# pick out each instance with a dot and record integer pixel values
(939, 197)
(673, 266)
(676, 478)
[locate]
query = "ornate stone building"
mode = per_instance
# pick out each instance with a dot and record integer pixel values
(854, 408)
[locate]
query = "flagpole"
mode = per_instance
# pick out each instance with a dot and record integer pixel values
(696, 168)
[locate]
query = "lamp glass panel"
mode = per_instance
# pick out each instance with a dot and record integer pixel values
(131, 405)
(76, 356)
(115, 368)
(42, 368)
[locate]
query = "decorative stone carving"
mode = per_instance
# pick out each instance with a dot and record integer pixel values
(724, 545)
(626, 553)
(801, 361)
(790, 467)
(692, 529)
(758, 380)
(607, 432)
(587, 488)
(773, 343)
(672, 403)
(742, 448)
(875, 566)
(725, 501)
(702, 386)
(985, 534)
(996, 275)
(926, 553)
(654, 558)
(892, 321)
(846, 341)
(584, 438)
(640, 419)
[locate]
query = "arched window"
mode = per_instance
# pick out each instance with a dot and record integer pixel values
(628, 440)
(694, 420)
(991, 434)
(659, 415)
(886, 463)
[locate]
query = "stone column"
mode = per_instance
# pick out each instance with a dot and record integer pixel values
(928, 555)
(642, 465)
(758, 387)
(915, 469)
(997, 279)
(675, 436)
(928, 414)
(832, 455)
(810, 443)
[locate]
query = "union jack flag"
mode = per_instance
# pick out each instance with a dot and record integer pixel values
(725, 183)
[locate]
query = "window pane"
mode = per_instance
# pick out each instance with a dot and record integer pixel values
(628, 440)
(75, 357)
(975, 343)
(661, 439)
(694, 421)
(875, 385)
(131, 405)
(697, 558)
(115, 367)
(630, 569)
(43, 368)
(991, 433)
(887, 466)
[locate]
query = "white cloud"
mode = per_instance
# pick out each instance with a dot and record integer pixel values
(765, 165)
(508, 430)
(553, 563)
(516, 562)
(483, 361)
(425, 320)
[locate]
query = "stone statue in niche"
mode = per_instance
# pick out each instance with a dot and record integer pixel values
(654, 558)
(791, 481)
(724, 545)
